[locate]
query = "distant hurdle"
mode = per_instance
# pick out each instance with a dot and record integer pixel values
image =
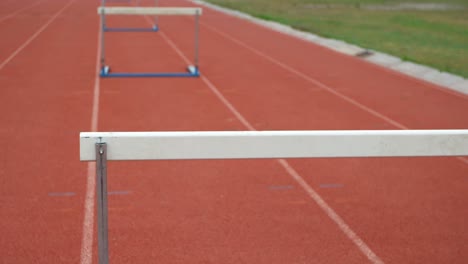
(105, 28)
(192, 70)
(105, 146)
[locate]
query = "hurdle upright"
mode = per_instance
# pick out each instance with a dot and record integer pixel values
(154, 28)
(105, 146)
(192, 70)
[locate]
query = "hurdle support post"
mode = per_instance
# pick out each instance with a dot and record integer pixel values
(102, 40)
(197, 38)
(102, 214)
(155, 18)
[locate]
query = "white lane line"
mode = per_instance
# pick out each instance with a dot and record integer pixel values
(28, 41)
(228, 104)
(207, 82)
(316, 82)
(362, 246)
(19, 11)
(307, 78)
(88, 221)
(365, 249)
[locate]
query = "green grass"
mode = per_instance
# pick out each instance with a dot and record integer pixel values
(435, 38)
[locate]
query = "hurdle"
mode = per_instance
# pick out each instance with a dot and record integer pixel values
(120, 146)
(154, 28)
(192, 70)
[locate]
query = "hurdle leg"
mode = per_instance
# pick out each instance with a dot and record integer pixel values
(101, 187)
(197, 38)
(103, 21)
(155, 22)
(101, 36)
(104, 69)
(193, 69)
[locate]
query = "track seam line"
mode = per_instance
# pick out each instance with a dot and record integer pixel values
(362, 246)
(86, 256)
(19, 11)
(317, 83)
(28, 41)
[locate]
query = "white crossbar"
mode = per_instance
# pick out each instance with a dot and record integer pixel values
(274, 144)
(149, 10)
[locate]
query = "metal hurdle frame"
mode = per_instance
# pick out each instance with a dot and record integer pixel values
(154, 28)
(192, 70)
(104, 146)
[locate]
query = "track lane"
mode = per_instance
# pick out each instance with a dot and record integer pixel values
(8, 7)
(340, 71)
(21, 26)
(46, 102)
(11, 50)
(7, 15)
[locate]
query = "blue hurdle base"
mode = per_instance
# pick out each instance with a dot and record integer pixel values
(153, 29)
(192, 71)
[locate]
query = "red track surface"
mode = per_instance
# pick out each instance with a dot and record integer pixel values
(247, 211)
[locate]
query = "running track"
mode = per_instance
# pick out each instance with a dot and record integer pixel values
(236, 211)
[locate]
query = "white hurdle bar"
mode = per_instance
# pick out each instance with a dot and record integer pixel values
(104, 146)
(125, 29)
(181, 11)
(275, 144)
